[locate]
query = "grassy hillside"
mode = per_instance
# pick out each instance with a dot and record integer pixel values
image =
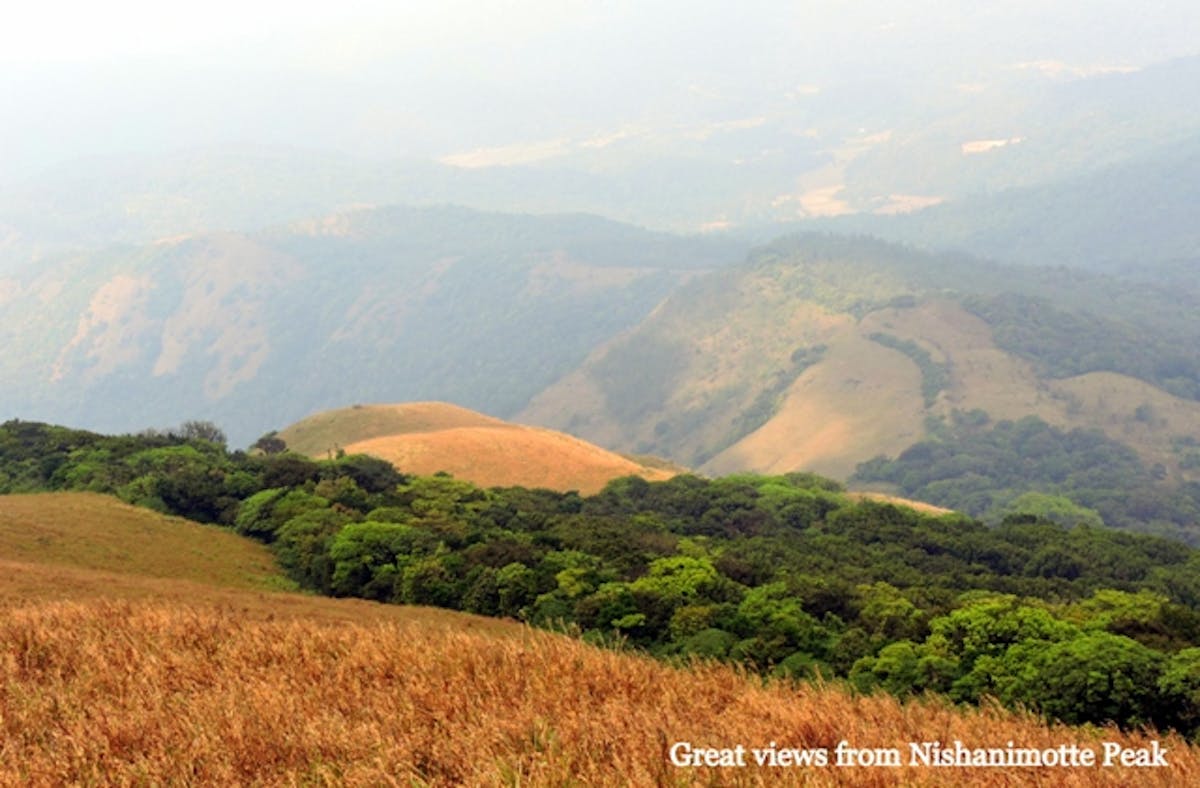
(106, 691)
(85, 547)
(320, 433)
(428, 437)
(96, 532)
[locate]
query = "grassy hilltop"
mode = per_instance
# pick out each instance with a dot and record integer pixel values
(428, 437)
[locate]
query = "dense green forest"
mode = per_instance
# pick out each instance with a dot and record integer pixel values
(786, 574)
(984, 468)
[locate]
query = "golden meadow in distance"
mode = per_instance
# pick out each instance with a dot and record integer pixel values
(427, 437)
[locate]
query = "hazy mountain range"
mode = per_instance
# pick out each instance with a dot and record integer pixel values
(253, 286)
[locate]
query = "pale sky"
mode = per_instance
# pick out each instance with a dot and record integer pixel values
(436, 78)
(82, 32)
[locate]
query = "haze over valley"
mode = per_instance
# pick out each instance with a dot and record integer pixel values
(852, 341)
(641, 266)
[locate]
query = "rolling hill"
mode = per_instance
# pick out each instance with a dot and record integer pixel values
(84, 548)
(428, 437)
(821, 352)
(99, 533)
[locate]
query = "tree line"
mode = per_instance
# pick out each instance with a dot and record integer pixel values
(785, 574)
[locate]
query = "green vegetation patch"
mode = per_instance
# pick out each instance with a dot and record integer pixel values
(935, 376)
(981, 468)
(1062, 343)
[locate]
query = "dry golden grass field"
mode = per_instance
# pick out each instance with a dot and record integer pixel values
(91, 531)
(427, 437)
(323, 432)
(117, 678)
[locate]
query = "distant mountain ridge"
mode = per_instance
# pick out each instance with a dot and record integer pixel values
(1135, 217)
(254, 329)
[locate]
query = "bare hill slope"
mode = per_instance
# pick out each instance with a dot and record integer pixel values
(428, 437)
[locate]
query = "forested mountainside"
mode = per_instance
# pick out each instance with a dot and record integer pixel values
(256, 330)
(823, 352)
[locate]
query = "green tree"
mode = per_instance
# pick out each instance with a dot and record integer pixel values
(516, 586)
(1096, 677)
(1179, 688)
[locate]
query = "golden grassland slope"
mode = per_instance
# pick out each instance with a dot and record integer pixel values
(428, 437)
(325, 432)
(111, 677)
(508, 456)
(97, 532)
(149, 692)
(862, 399)
(83, 546)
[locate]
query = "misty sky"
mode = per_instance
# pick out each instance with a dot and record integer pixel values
(390, 79)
